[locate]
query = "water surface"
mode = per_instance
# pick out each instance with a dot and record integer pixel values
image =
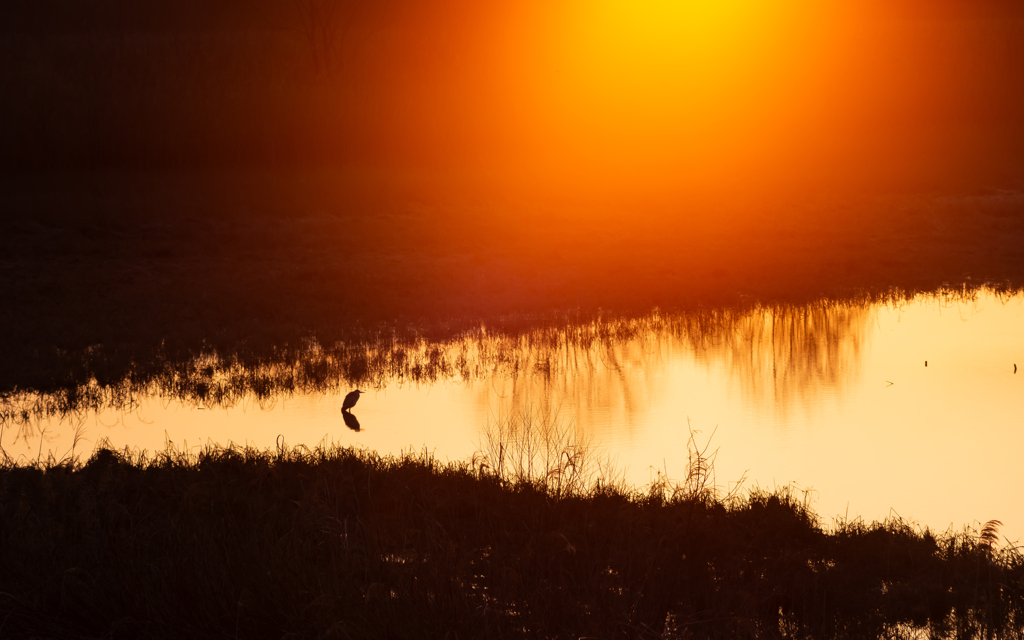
(905, 409)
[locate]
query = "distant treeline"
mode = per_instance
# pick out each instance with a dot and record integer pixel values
(188, 83)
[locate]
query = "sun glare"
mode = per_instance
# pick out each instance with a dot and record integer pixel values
(725, 95)
(653, 86)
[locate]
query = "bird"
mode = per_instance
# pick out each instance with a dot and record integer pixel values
(350, 400)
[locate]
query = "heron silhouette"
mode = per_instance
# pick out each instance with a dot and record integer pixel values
(350, 400)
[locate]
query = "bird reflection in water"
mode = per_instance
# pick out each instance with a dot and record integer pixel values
(350, 421)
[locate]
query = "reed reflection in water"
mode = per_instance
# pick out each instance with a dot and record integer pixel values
(775, 359)
(833, 396)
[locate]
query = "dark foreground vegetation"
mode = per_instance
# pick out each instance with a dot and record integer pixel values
(337, 543)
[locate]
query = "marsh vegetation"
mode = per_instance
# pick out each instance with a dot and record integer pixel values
(801, 344)
(531, 538)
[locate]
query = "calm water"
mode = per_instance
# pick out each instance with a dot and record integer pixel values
(835, 398)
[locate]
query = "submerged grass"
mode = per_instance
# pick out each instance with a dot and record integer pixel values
(527, 540)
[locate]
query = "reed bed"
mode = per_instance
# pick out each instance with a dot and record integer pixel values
(809, 341)
(331, 541)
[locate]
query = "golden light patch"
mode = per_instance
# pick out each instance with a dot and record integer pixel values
(655, 86)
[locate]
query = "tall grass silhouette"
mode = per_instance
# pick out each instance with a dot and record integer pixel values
(330, 541)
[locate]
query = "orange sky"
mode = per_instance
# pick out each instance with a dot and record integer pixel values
(670, 93)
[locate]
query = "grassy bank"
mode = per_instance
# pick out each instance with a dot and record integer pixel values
(333, 542)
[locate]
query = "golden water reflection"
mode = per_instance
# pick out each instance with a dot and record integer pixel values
(834, 396)
(776, 358)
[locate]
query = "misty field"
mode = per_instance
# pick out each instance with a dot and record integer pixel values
(117, 269)
(239, 176)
